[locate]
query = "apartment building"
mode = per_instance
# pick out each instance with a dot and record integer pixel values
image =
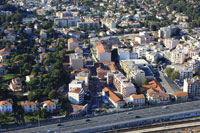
(72, 43)
(67, 22)
(171, 43)
(123, 85)
(177, 57)
(49, 106)
(192, 87)
(103, 52)
(136, 99)
(76, 84)
(76, 61)
(136, 71)
(15, 85)
(88, 25)
(112, 97)
(181, 96)
(83, 77)
(76, 95)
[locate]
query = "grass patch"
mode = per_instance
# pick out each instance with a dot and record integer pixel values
(31, 118)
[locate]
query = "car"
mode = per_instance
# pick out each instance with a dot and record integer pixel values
(59, 125)
(137, 116)
(164, 107)
(87, 120)
(129, 112)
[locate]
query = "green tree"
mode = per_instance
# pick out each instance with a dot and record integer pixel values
(104, 106)
(144, 81)
(169, 71)
(174, 75)
(66, 114)
(53, 94)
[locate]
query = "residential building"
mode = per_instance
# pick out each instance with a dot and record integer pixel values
(136, 99)
(76, 95)
(171, 43)
(123, 85)
(73, 43)
(29, 106)
(78, 110)
(49, 106)
(88, 25)
(108, 94)
(66, 22)
(192, 87)
(153, 96)
(43, 33)
(177, 57)
(15, 85)
(136, 71)
(76, 84)
(29, 77)
(83, 77)
(181, 96)
(103, 52)
(108, 23)
(76, 61)
(6, 106)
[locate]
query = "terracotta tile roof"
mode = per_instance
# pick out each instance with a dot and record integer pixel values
(101, 48)
(5, 102)
(72, 40)
(27, 103)
(155, 85)
(76, 90)
(112, 95)
(49, 103)
(180, 94)
(140, 96)
(78, 107)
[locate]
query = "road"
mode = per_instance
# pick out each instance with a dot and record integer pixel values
(168, 85)
(99, 121)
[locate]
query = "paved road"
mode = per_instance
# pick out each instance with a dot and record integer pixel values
(77, 125)
(169, 85)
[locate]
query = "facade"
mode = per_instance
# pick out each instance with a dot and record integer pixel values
(123, 85)
(103, 52)
(88, 25)
(73, 43)
(76, 84)
(76, 61)
(192, 87)
(29, 106)
(154, 97)
(112, 97)
(49, 106)
(83, 77)
(15, 85)
(6, 106)
(67, 22)
(181, 96)
(171, 43)
(76, 95)
(177, 57)
(137, 99)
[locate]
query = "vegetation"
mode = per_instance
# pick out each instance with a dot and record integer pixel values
(172, 74)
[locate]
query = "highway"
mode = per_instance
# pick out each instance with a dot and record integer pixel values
(99, 121)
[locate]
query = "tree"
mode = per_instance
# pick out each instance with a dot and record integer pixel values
(104, 106)
(169, 71)
(53, 94)
(66, 114)
(174, 75)
(144, 81)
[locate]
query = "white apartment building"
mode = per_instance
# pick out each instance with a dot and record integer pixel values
(72, 43)
(15, 85)
(6, 106)
(123, 85)
(108, 23)
(171, 43)
(83, 77)
(177, 57)
(103, 52)
(29, 106)
(76, 95)
(152, 56)
(88, 25)
(192, 87)
(67, 22)
(76, 61)
(76, 84)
